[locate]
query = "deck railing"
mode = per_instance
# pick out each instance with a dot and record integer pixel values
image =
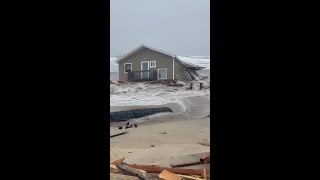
(139, 76)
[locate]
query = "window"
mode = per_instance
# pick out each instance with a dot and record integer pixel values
(152, 64)
(127, 67)
(162, 73)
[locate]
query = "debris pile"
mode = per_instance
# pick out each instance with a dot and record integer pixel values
(154, 172)
(168, 82)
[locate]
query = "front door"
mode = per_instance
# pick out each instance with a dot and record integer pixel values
(145, 67)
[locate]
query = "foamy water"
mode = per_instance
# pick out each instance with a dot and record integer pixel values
(144, 95)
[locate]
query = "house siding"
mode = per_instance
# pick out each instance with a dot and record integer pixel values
(162, 61)
(179, 71)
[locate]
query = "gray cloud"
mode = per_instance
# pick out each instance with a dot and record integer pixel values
(181, 27)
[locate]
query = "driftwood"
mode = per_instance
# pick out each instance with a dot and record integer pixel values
(188, 160)
(158, 169)
(167, 175)
(133, 171)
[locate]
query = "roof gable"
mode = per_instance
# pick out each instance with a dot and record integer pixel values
(141, 47)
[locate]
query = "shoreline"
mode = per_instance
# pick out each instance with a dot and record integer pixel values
(159, 137)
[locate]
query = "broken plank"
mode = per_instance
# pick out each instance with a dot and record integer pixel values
(114, 169)
(118, 161)
(205, 174)
(167, 175)
(205, 159)
(187, 160)
(189, 177)
(158, 169)
(133, 171)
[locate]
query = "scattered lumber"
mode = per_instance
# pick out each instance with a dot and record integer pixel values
(133, 171)
(158, 169)
(188, 160)
(167, 175)
(205, 159)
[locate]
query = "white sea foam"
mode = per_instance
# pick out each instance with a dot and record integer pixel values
(144, 95)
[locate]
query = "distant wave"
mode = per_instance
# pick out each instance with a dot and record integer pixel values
(203, 61)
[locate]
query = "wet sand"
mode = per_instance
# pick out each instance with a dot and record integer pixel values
(162, 136)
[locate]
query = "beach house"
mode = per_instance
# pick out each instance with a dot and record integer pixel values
(147, 64)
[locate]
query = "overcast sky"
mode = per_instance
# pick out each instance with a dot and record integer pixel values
(181, 27)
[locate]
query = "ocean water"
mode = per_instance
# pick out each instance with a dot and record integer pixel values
(203, 61)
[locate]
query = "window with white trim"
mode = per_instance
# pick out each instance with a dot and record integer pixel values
(162, 73)
(127, 67)
(153, 64)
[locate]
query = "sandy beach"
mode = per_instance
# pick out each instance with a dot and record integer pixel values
(162, 136)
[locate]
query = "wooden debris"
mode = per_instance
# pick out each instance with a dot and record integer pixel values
(188, 160)
(205, 174)
(133, 171)
(167, 175)
(129, 126)
(189, 177)
(118, 134)
(118, 161)
(205, 159)
(158, 169)
(113, 168)
(122, 177)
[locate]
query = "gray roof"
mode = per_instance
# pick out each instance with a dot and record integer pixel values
(160, 51)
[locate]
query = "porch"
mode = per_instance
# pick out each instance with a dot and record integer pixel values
(140, 76)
